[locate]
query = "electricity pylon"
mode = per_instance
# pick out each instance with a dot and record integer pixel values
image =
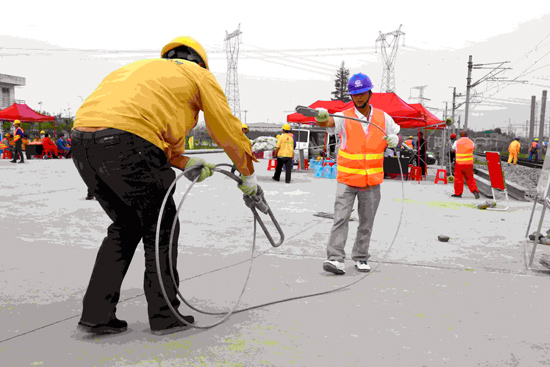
(232, 41)
(388, 58)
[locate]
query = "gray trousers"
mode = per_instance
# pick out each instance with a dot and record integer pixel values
(368, 201)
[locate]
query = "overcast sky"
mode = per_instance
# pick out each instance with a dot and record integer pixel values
(290, 50)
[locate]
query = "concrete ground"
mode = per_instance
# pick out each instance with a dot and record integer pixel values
(467, 302)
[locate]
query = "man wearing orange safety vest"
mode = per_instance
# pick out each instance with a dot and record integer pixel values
(534, 150)
(464, 165)
(360, 171)
(513, 151)
(18, 139)
(409, 142)
(5, 144)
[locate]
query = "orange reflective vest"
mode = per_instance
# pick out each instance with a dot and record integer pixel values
(464, 151)
(19, 134)
(361, 156)
(4, 144)
(534, 146)
(409, 142)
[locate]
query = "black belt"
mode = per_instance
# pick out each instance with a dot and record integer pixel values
(96, 134)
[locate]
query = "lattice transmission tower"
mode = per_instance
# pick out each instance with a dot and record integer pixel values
(389, 53)
(232, 41)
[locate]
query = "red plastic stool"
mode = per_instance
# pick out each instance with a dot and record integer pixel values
(271, 164)
(438, 178)
(306, 163)
(415, 174)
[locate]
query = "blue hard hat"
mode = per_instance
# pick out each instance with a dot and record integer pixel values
(359, 83)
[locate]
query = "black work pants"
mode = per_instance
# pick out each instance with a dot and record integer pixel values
(422, 161)
(287, 162)
(18, 151)
(129, 177)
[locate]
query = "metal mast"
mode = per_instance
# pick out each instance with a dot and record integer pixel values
(232, 41)
(388, 75)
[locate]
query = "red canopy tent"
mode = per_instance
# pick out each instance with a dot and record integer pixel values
(429, 121)
(22, 112)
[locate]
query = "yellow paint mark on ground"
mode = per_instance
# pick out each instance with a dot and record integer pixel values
(440, 204)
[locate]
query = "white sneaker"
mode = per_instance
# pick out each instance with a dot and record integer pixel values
(333, 266)
(362, 266)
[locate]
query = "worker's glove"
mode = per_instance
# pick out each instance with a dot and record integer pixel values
(257, 201)
(249, 185)
(392, 140)
(322, 115)
(198, 167)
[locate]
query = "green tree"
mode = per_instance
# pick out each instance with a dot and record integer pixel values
(341, 85)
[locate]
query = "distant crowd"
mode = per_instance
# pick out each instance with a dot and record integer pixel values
(59, 147)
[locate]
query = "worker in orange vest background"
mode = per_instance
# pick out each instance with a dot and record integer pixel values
(534, 150)
(5, 145)
(513, 151)
(360, 165)
(18, 139)
(409, 142)
(464, 165)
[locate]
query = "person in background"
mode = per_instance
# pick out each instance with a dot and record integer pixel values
(245, 129)
(285, 154)
(464, 166)
(360, 164)
(421, 151)
(50, 149)
(62, 147)
(409, 143)
(18, 139)
(6, 144)
(534, 150)
(513, 151)
(128, 136)
(452, 155)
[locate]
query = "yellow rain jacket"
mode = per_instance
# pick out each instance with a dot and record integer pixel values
(159, 100)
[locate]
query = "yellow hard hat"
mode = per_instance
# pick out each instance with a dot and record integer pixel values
(7, 136)
(42, 132)
(536, 139)
(189, 42)
(410, 137)
(245, 127)
(286, 127)
(17, 122)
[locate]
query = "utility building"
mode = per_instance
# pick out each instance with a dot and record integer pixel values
(7, 89)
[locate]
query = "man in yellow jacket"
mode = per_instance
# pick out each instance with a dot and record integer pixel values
(513, 151)
(285, 154)
(360, 166)
(128, 134)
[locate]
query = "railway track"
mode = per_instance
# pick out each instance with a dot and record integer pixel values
(521, 161)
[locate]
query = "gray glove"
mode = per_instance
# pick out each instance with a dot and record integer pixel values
(198, 167)
(257, 200)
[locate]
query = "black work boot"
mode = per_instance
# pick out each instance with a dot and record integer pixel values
(114, 326)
